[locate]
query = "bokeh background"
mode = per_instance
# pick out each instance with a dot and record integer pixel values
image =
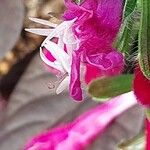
(27, 105)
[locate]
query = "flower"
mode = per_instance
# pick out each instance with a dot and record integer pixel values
(96, 26)
(78, 134)
(57, 50)
(84, 37)
(141, 86)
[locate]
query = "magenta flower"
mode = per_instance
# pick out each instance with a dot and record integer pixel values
(78, 134)
(96, 26)
(85, 37)
(57, 49)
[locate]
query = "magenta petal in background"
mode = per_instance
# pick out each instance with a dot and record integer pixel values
(49, 139)
(80, 133)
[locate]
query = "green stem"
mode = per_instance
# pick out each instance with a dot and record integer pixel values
(144, 38)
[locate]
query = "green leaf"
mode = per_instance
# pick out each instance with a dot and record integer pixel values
(129, 28)
(137, 143)
(104, 88)
(129, 7)
(144, 38)
(126, 37)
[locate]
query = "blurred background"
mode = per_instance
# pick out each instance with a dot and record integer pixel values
(27, 105)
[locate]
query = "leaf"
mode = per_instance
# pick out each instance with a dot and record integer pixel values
(129, 8)
(129, 28)
(110, 86)
(144, 39)
(11, 18)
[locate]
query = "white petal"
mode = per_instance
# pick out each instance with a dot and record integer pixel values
(59, 30)
(54, 64)
(43, 22)
(60, 43)
(55, 33)
(60, 55)
(71, 48)
(63, 85)
(69, 37)
(43, 32)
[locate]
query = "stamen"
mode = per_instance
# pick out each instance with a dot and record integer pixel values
(51, 85)
(54, 85)
(62, 77)
(43, 32)
(43, 22)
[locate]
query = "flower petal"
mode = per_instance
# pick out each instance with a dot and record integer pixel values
(60, 55)
(92, 73)
(48, 55)
(75, 84)
(69, 37)
(54, 64)
(70, 40)
(63, 85)
(100, 61)
(78, 134)
(49, 140)
(111, 63)
(43, 22)
(60, 43)
(141, 87)
(43, 32)
(93, 122)
(58, 31)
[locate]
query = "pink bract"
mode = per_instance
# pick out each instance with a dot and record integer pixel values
(78, 134)
(96, 27)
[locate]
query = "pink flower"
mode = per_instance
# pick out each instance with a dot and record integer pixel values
(141, 86)
(78, 134)
(85, 37)
(96, 26)
(57, 52)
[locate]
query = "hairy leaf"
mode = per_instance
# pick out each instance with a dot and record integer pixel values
(111, 86)
(144, 39)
